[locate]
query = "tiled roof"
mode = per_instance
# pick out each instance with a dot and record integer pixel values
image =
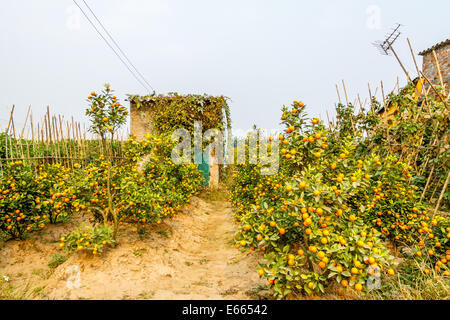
(436, 46)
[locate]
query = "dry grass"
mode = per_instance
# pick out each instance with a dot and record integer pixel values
(413, 284)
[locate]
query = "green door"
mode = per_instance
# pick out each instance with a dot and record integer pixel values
(204, 167)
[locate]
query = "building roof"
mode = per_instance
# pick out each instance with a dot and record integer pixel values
(436, 46)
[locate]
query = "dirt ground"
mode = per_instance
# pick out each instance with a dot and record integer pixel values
(188, 257)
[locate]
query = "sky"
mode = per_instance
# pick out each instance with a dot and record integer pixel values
(262, 54)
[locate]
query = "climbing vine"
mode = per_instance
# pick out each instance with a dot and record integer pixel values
(172, 111)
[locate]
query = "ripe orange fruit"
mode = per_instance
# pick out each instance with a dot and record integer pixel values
(260, 272)
(344, 283)
(358, 287)
(282, 231)
(391, 272)
(273, 223)
(300, 252)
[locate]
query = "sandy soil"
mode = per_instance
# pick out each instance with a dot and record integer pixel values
(188, 257)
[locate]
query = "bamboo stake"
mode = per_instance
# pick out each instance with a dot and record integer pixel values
(438, 68)
(10, 119)
(401, 64)
(434, 89)
(339, 96)
(345, 91)
(428, 183)
(371, 99)
(415, 62)
(441, 195)
(25, 123)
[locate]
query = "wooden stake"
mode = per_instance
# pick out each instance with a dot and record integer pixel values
(401, 64)
(438, 68)
(441, 195)
(345, 91)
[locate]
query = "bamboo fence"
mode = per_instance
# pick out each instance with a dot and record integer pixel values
(54, 139)
(436, 174)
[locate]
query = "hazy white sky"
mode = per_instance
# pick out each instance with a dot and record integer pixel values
(262, 54)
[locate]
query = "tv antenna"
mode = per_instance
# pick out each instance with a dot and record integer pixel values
(385, 47)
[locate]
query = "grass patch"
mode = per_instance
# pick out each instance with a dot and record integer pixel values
(163, 233)
(57, 260)
(138, 252)
(411, 283)
(219, 194)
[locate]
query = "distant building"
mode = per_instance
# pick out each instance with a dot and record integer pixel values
(442, 50)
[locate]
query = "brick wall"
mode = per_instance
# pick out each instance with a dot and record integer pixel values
(141, 124)
(429, 66)
(140, 121)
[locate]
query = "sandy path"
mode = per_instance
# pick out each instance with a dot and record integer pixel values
(189, 257)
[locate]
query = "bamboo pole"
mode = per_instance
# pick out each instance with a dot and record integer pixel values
(25, 123)
(401, 64)
(345, 91)
(415, 62)
(436, 62)
(434, 89)
(442, 194)
(339, 96)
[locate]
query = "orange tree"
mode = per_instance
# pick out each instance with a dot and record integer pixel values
(31, 197)
(324, 217)
(127, 193)
(315, 216)
(18, 212)
(55, 195)
(106, 114)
